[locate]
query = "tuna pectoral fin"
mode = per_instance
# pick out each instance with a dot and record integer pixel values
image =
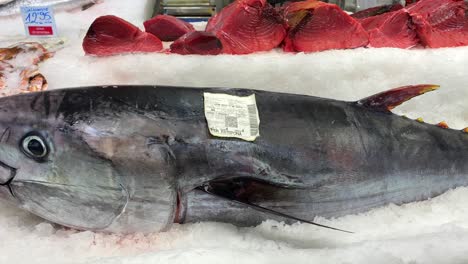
(230, 195)
(388, 100)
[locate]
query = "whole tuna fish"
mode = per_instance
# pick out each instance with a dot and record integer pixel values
(139, 158)
(9, 8)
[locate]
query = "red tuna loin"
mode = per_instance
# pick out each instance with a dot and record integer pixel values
(409, 2)
(111, 35)
(378, 10)
(440, 23)
(167, 28)
(317, 26)
(248, 26)
(393, 29)
(197, 42)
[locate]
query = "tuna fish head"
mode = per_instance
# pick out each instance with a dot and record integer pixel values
(47, 169)
(88, 158)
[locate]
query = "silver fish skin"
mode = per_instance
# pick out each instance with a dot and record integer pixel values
(13, 8)
(139, 158)
(2, 2)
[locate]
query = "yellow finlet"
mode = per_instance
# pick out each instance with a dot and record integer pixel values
(420, 120)
(443, 124)
(465, 130)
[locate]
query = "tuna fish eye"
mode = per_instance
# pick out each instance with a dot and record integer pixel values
(34, 146)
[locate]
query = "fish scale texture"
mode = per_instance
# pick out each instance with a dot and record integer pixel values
(248, 26)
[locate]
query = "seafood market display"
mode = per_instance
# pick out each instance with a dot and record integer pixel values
(19, 70)
(248, 26)
(143, 158)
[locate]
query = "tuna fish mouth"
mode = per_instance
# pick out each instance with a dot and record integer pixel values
(7, 174)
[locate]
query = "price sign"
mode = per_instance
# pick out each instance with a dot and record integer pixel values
(39, 21)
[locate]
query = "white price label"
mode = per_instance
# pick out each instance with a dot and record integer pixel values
(232, 116)
(39, 21)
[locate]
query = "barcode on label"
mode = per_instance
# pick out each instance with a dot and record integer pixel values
(252, 109)
(232, 116)
(231, 121)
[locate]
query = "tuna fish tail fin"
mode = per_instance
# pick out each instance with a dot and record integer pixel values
(386, 101)
(226, 195)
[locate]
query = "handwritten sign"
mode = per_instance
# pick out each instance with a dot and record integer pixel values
(39, 21)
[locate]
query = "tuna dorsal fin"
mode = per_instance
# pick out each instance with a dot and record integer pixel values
(207, 189)
(386, 101)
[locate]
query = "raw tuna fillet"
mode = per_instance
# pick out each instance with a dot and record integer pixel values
(197, 42)
(392, 29)
(110, 35)
(248, 26)
(317, 26)
(440, 23)
(167, 28)
(378, 10)
(408, 2)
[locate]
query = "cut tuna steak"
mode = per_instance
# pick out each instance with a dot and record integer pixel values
(440, 23)
(111, 35)
(197, 42)
(167, 28)
(391, 29)
(248, 26)
(318, 26)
